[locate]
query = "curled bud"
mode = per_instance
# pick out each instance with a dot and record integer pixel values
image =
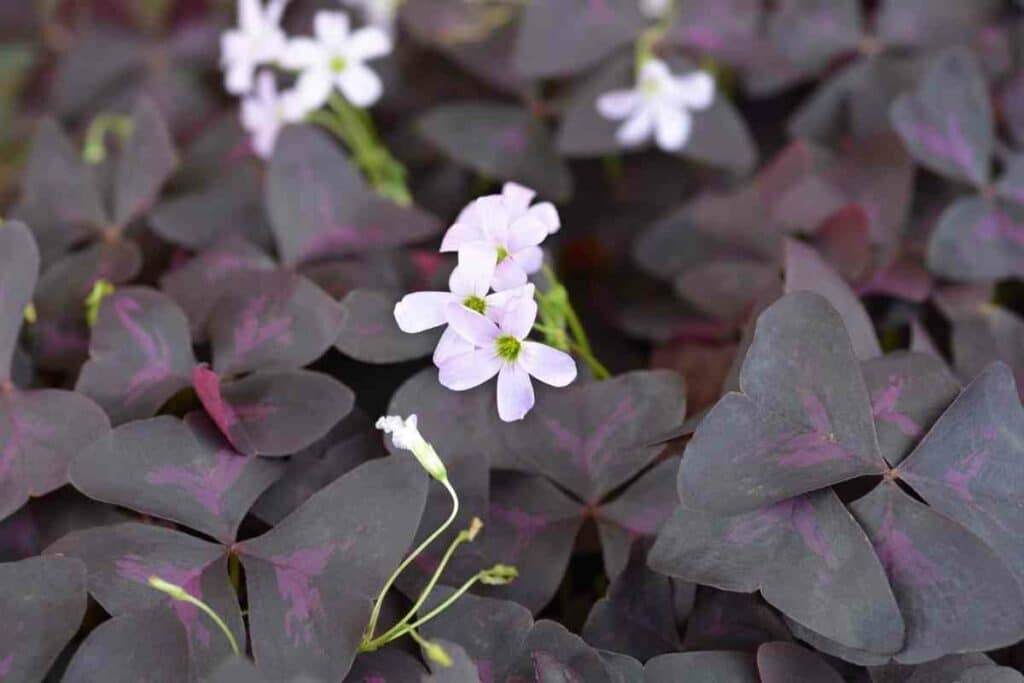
(436, 653)
(100, 291)
(499, 575)
(173, 590)
(405, 435)
(475, 525)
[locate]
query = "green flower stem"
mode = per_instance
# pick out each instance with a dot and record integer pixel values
(644, 50)
(235, 571)
(93, 149)
(401, 626)
(448, 602)
(579, 343)
(181, 595)
(433, 651)
(379, 603)
(354, 127)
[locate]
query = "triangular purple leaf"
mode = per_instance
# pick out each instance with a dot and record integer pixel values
(369, 333)
(702, 667)
(19, 269)
(146, 162)
(789, 663)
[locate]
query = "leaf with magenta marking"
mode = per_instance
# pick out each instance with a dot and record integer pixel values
(121, 558)
(947, 121)
(140, 354)
(43, 601)
(811, 33)
(320, 207)
(550, 652)
(803, 420)
(978, 239)
(145, 163)
(723, 620)
(369, 333)
(312, 579)
(179, 470)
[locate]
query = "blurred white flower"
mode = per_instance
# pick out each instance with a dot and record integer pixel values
(502, 350)
(379, 13)
(257, 40)
(264, 113)
(336, 58)
(406, 435)
(509, 228)
(658, 106)
(654, 9)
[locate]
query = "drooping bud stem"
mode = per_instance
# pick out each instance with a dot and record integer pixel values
(94, 150)
(181, 595)
(100, 291)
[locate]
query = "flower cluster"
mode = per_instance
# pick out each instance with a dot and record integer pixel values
(658, 106)
(334, 58)
(497, 238)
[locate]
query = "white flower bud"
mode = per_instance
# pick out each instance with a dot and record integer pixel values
(405, 435)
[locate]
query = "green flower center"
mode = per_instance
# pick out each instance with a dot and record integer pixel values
(502, 254)
(475, 303)
(649, 86)
(338, 64)
(508, 347)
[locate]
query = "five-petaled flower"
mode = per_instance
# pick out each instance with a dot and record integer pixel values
(264, 113)
(257, 40)
(508, 227)
(660, 106)
(336, 58)
(503, 350)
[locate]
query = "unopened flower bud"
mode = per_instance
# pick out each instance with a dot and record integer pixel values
(405, 435)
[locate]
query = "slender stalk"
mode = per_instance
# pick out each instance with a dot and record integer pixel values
(644, 50)
(181, 595)
(448, 602)
(235, 572)
(378, 604)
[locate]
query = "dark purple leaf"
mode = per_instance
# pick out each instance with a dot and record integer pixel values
(978, 239)
(564, 37)
(719, 136)
(966, 465)
(237, 670)
(789, 663)
(190, 285)
(531, 525)
(701, 667)
(40, 431)
(783, 549)
(58, 197)
(637, 513)
(99, 57)
(552, 653)
(807, 271)
(722, 29)
(983, 335)
(320, 207)
(390, 665)
(499, 142)
(461, 670)
(140, 354)
(312, 579)
(271, 320)
(594, 436)
(120, 559)
(963, 669)
(19, 269)
(45, 520)
(182, 471)
(908, 393)
(947, 122)
(146, 646)
(350, 443)
(489, 631)
(955, 593)
(920, 23)
(273, 413)
(802, 422)
(637, 617)
(147, 160)
(726, 289)
(43, 601)
(723, 620)
(369, 332)
(811, 33)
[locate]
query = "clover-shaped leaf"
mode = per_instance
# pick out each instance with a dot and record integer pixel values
(701, 667)
(369, 333)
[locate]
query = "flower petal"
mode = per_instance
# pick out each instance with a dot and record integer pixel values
(520, 314)
(368, 43)
(303, 53)
(696, 90)
(239, 77)
(547, 214)
(529, 259)
(475, 271)
(672, 128)
(517, 198)
(469, 369)
(421, 311)
(637, 128)
(450, 344)
(618, 104)
(547, 364)
(310, 92)
(331, 28)
(360, 85)
(515, 393)
(473, 327)
(459, 235)
(508, 275)
(525, 231)
(494, 218)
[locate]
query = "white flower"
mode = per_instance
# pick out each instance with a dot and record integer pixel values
(502, 350)
(468, 285)
(379, 13)
(336, 58)
(654, 9)
(406, 435)
(258, 40)
(659, 105)
(264, 113)
(511, 229)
